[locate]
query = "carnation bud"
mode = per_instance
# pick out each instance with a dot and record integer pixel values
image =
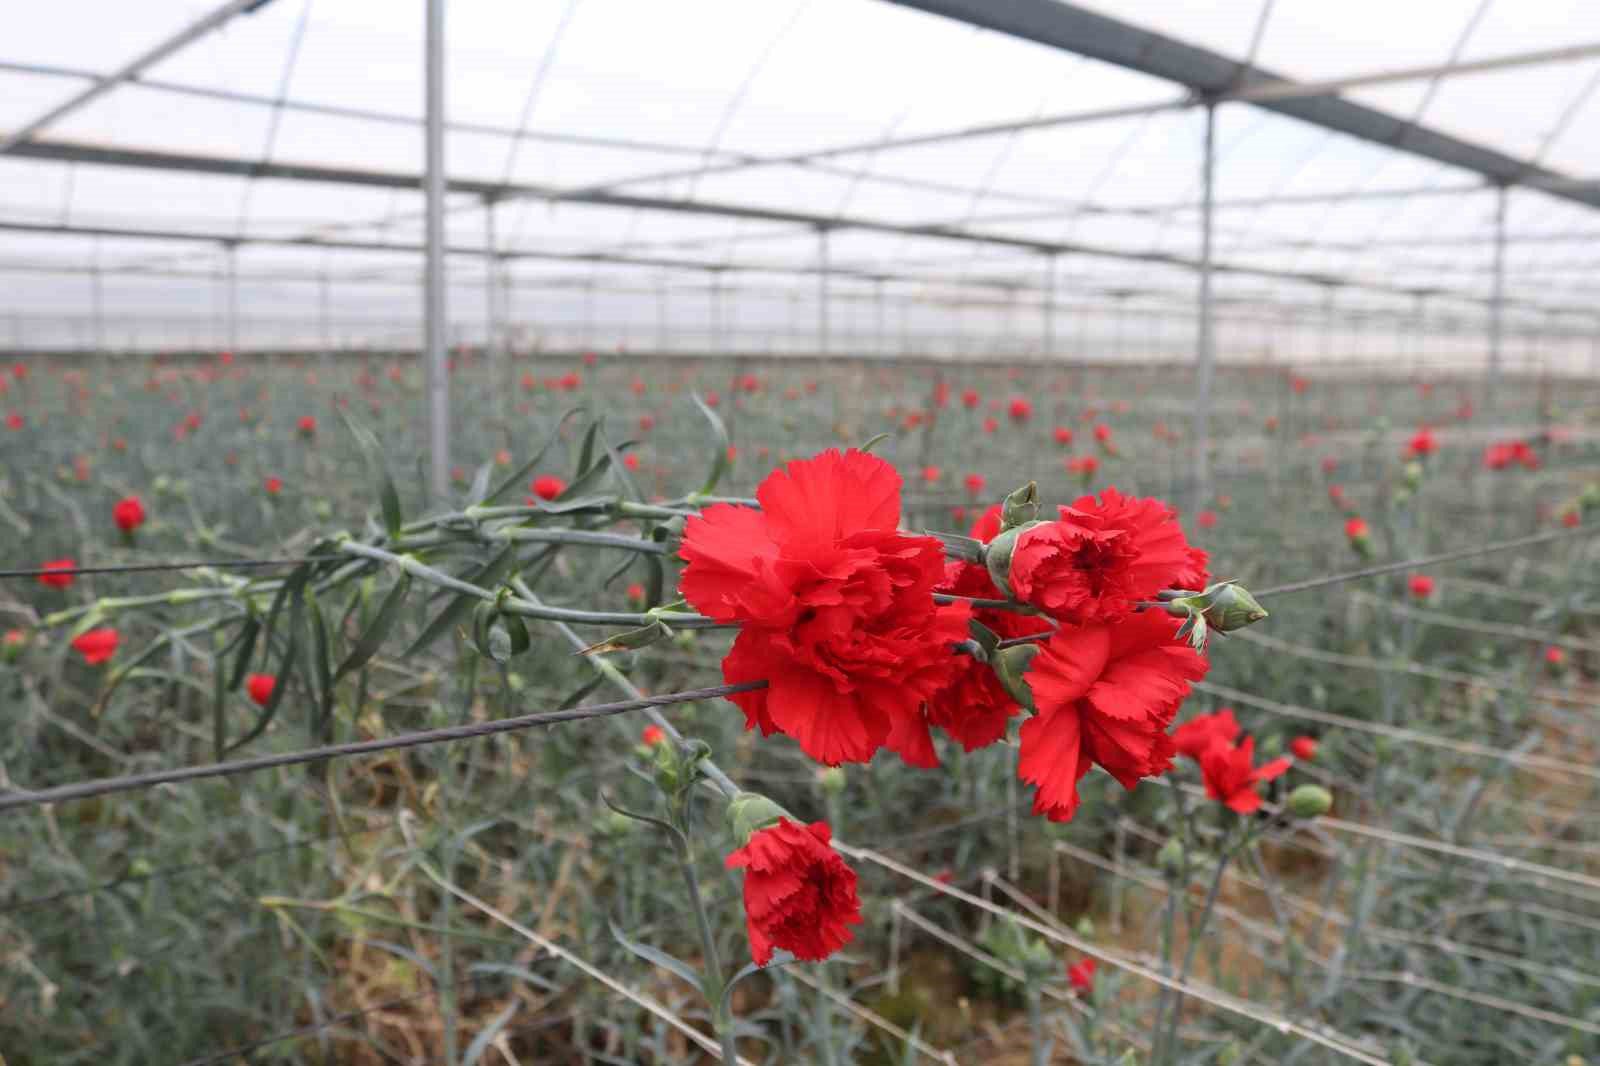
(997, 555)
(1084, 926)
(831, 780)
(1413, 474)
(1021, 507)
(1170, 858)
(1232, 607)
(1270, 746)
(1589, 499)
(678, 765)
(751, 812)
(1011, 668)
(1310, 801)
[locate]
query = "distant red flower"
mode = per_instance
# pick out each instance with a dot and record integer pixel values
(1571, 518)
(931, 474)
(799, 894)
(991, 424)
(1062, 435)
(1329, 464)
(974, 483)
(570, 381)
(1420, 585)
(636, 592)
(1083, 465)
(941, 395)
(1422, 444)
(1206, 519)
(1231, 775)
(1356, 528)
(590, 358)
(15, 421)
(307, 425)
(1503, 454)
(19, 371)
(750, 383)
(1106, 695)
(96, 646)
(1102, 556)
(631, 461)
(1020, 409)
(834, 602)
(1299, 384)
(1080, 975)
(1336, 494)
(547, 486)
(1193, 737)
(1303, 748)
(652, 735)
(647, 423)
(58, 580)
(1102, 432)
(273, 485)
(970, 398)
(259, 687)
(1555, 656)
(713, 398)
(529, 382)
(128, 513)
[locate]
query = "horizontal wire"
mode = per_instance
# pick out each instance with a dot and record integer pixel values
(1426, 560)
(192, 564)
(133, 782)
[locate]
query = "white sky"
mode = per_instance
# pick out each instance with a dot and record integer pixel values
(766, 77)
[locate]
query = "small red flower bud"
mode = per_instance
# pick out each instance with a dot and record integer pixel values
(58, 580)
(547, 486)
(260, 687)
(128, 514)
(97, 645)
(1303, 748)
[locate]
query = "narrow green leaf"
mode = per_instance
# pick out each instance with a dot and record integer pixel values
(522, 472)
(486, 1035)
(488, 577)
(388, 497)
(720, 463)
(373, 638)
(656, 956)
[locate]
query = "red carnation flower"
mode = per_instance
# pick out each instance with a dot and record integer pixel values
(58, 580)
(931, 474)
(652, 735)
(941, 394)
(1106, 695)
(1020, 410)
(713, 398)
(307, 425)
(547, 486)
(970, 398)
(1102, 432)
(1063, 435)
(96, 646)
(1194, 737)
(631, 461)
(1206, 519)
(991, 424)
(1356, 528)
(15, 421)
(1555, 656)
(259, 687)
(1422, 443)
(1080, 976)
(636, 592)
(1105, 554)
(128, 513)
(1231, 775)
(1303, 748)
(835, 604)
(273, 485)
(1571, 519)
(1329, 464)
(974, 483)
(1421, 586)
(1083, 465)
(647, 423)
(799, 895)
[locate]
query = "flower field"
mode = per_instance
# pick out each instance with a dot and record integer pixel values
(795, 711)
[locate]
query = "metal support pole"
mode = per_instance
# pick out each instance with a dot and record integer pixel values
(325, 320)
(1052, 273)
(1497, 298)
(822, 290)
(491, 294)
(434, 324)
(231, 254)
(718, 340)
(661, 313)
(1206, 355)
(1419, 317)
(97, 298)
(1327, 324)
(882, 339)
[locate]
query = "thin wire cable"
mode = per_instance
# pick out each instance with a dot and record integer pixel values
(183, 775)
(192, 564)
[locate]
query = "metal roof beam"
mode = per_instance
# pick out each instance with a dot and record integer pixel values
(145, 60)
(1063, 25)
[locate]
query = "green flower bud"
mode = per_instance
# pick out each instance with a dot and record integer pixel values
(1170, 858)
(1270, 746)
(831, 780)
(1590, 498)
(1084, 926)
(1011, 667)
(1231, 607)
(997, 555)
(1310, 801)
(1021, 507)
(1230, 1054)
(1413, 474)
(749, 812)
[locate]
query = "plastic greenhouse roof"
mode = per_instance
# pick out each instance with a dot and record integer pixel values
(712, 101)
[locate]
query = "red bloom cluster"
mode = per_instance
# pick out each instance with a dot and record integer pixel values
(1503, 454)
(799, 895)
(1227, 764)
(835, 605)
